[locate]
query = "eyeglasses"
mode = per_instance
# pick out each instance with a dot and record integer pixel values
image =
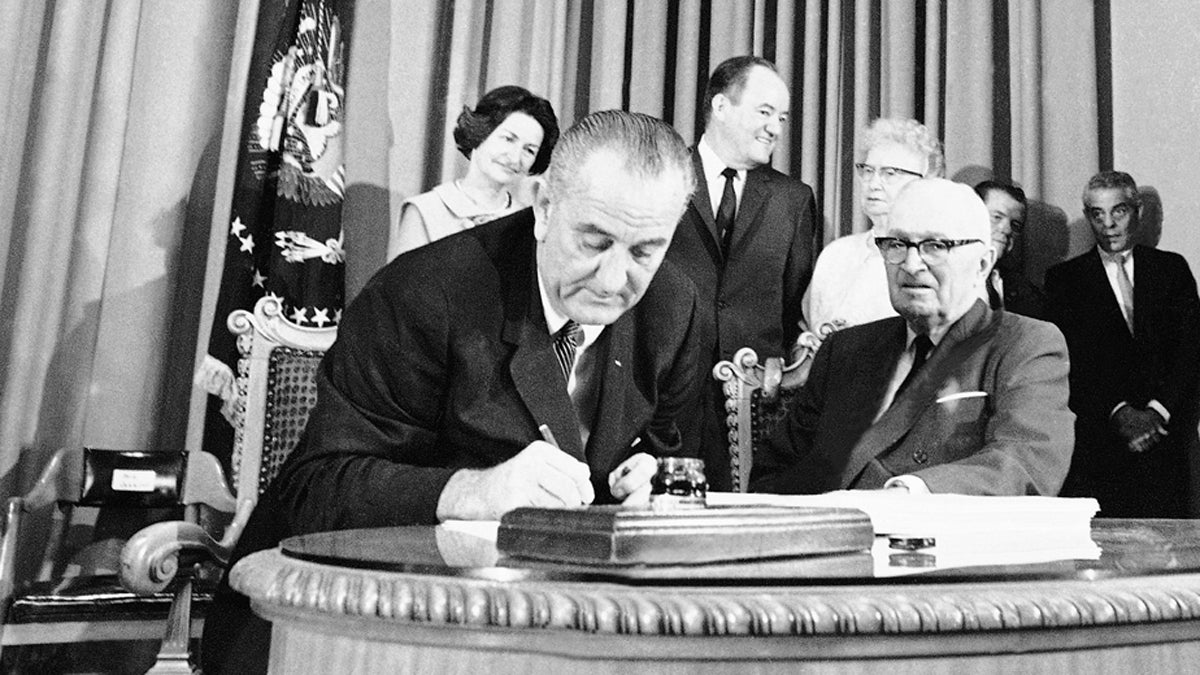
(887, 174)
(932, 251)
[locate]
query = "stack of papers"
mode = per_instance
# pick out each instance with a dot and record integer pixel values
(959, 530)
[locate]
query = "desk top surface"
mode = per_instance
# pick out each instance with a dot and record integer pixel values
(1125, 548)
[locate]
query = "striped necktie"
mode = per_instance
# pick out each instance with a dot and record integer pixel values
(566, 340)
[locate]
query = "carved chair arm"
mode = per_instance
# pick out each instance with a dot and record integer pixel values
(150, 559)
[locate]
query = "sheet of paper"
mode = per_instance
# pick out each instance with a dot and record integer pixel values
(961, 522)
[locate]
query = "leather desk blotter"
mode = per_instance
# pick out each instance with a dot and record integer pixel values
(611, 535)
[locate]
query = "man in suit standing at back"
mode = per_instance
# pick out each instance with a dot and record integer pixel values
(1131, 317)
(748, 237)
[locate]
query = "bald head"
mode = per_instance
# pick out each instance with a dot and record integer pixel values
(954, 208)
(934, 285)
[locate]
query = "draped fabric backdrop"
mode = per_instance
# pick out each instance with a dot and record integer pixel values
(120, 119)
(111, 113)
(1011, 87)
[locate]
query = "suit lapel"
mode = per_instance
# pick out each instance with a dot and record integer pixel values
(620, 406)
(1106, 298)
(1145, 285)
(964, 336)
(533, 367)
(876, 363)
(704, 222)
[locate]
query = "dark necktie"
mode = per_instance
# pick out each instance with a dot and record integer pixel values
(727, 209)
(566, 340)
(922, 344)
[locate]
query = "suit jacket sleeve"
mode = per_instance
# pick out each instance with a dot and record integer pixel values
(1091, 399)
(671, 431)
(1180, 325)
(1029, 434)
(369, 454)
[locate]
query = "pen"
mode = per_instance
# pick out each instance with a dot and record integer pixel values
(547, 435)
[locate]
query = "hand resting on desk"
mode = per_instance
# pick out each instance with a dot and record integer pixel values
(540, 475)
(630, 482)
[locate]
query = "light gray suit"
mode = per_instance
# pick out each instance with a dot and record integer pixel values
(987, 414)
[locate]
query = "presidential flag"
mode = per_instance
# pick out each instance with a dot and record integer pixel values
(285, 233)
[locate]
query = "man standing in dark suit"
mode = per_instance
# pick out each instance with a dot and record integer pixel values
(460, 363)
(1132, 321)
(950, 396)
(748, 237)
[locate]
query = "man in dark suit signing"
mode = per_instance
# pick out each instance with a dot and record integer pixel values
(950, 396)
(1131, 317)
(447, 365)
(748, 237)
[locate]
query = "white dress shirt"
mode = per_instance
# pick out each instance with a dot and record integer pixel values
(713, 166)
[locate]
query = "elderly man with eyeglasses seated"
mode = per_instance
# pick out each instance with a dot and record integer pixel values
(950, 396)
(849, 285)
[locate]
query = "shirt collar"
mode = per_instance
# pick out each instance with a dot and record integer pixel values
(1105, 256)
(934, 337)
(555, 321)
(713, 165)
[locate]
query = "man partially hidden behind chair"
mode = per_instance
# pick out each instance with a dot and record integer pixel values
(986, 413)
(1131, 317)
(429, 404)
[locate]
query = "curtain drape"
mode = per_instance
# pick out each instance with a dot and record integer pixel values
(109, 112)
(114, 113)
(1011, 87)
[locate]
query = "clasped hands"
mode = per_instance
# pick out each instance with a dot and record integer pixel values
(539, 475)
(1140, 428)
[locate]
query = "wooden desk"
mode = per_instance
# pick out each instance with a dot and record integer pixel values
(427, 600)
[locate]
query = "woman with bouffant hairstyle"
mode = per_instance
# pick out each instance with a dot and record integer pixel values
(506, 137)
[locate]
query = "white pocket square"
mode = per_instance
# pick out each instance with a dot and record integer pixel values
(962, 394)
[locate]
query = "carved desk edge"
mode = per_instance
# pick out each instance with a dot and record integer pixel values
(285, 586)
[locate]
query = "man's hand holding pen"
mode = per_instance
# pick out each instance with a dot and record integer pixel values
(540, 475)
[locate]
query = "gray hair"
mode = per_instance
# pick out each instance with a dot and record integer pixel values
(911, 134)
(649, 147)
(1118, 180)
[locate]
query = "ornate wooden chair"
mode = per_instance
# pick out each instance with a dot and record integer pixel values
(757, 396)
(276, 389)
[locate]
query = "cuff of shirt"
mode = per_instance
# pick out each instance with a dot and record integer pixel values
(910, 482)
(1153, 404)
(1160, 409)
(1117, 407)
